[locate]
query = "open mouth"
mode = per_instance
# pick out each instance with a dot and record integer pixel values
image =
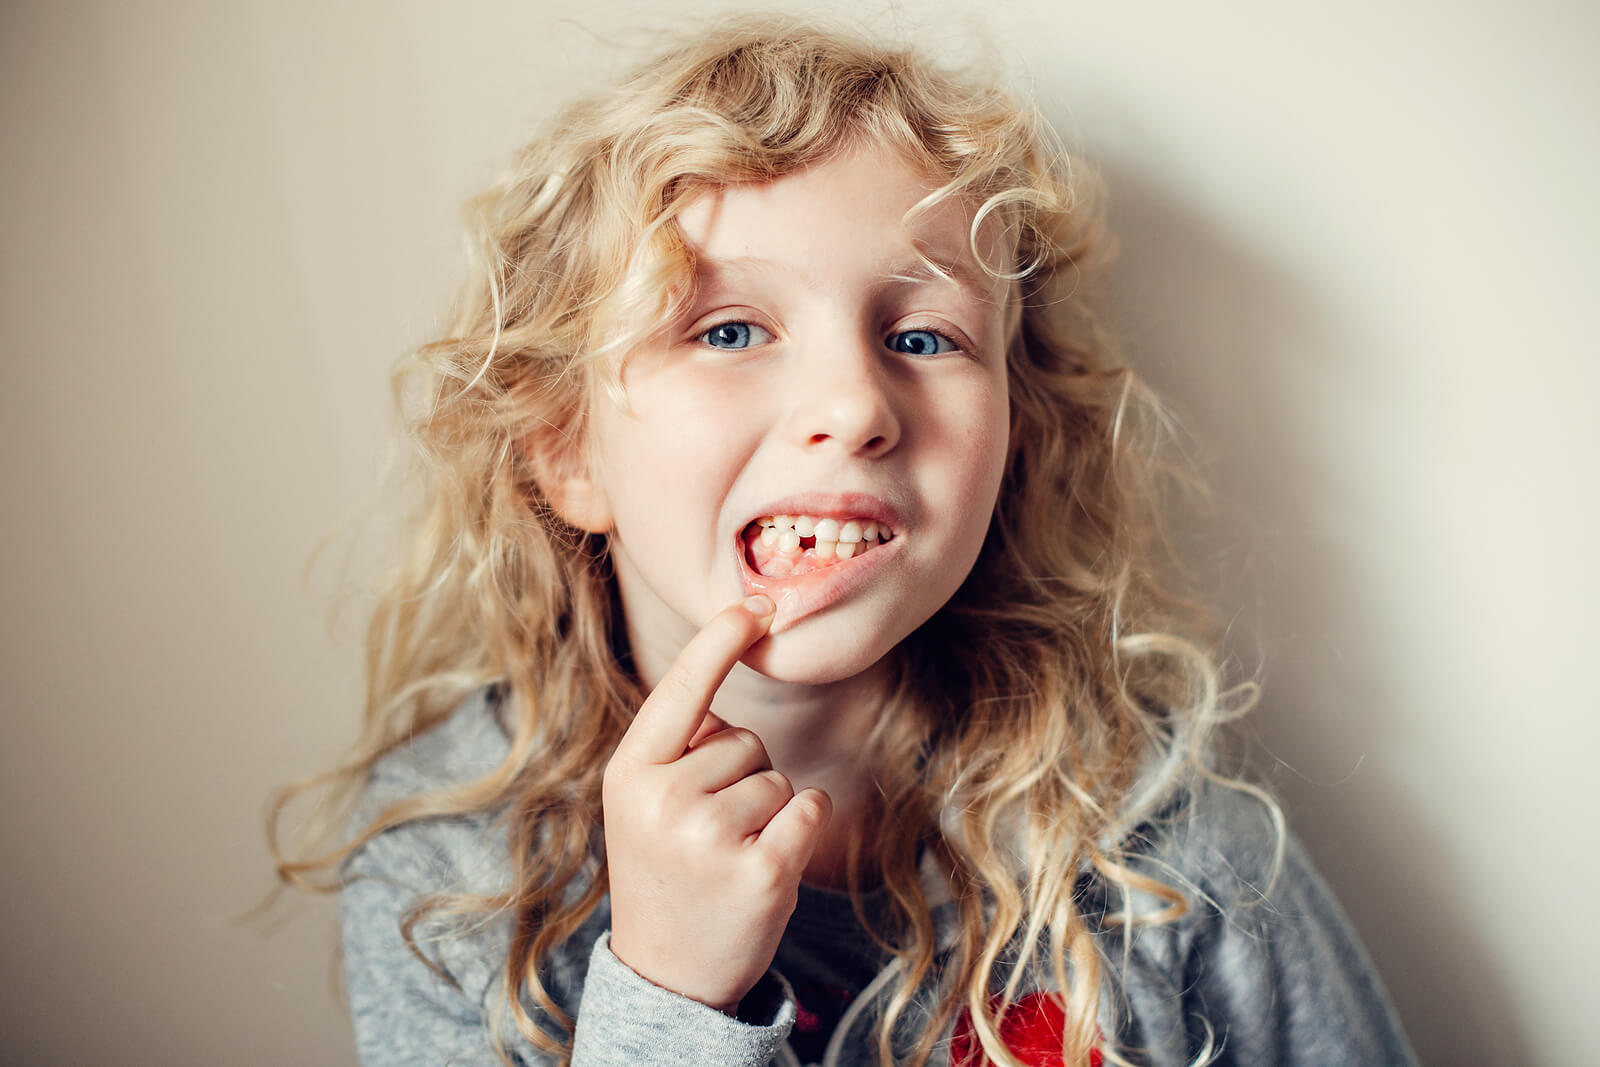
(786, 546)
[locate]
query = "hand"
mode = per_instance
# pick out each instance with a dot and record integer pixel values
(705, 842)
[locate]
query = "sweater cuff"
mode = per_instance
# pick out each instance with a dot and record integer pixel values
(626, 1019)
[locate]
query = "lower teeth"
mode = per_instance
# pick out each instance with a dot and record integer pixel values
(783, 553)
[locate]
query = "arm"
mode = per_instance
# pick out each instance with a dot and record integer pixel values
(705, 846)
(628, 1020)
(404, 1015)
(1281, 979)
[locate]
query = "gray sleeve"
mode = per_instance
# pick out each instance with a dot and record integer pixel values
(628, 1020)
(1282, 979)
(405, 1015)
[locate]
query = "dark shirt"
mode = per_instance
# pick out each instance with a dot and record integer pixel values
(829, 958)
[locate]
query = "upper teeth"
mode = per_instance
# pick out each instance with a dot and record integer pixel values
(834, 538)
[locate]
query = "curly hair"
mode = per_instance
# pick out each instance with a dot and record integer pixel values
(1067, 636)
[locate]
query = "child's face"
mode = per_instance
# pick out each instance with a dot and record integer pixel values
(822, 372)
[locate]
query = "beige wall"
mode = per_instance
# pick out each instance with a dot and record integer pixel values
(1358, 254)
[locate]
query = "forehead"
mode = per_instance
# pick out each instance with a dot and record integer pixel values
(865, 209)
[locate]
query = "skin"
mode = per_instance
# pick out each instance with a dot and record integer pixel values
(698, 824)
(859, 372)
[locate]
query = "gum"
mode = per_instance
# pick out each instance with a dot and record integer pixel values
(768, 561)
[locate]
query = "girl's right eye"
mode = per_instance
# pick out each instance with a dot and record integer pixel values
(736, 335)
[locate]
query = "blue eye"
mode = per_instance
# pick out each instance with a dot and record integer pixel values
(735, 335)
(921, 343)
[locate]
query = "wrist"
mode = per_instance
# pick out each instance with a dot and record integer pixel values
(666, 971)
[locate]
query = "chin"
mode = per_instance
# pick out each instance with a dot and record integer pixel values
(805, 656)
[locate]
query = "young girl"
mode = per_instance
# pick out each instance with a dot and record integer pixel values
(782, 671)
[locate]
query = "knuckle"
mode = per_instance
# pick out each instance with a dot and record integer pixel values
(779, 783)
(813, 810)
(705, 827)
(751, 742)
(675, 796)
(767, 871)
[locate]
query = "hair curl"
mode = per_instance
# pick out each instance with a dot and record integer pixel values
(1082, 655)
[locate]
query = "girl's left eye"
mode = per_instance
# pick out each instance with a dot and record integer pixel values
(921, 343)
(735, 335)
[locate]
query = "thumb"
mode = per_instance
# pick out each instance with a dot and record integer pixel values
(708, 726)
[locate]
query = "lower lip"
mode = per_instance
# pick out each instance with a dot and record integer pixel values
(806, 594)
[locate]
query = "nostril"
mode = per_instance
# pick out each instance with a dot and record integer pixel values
(876, 443)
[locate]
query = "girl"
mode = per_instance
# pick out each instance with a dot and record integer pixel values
(782, 671)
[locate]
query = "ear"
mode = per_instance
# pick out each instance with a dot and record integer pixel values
(581, 503)
(562, 471)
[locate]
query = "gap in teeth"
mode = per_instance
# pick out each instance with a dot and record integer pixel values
(826, 537)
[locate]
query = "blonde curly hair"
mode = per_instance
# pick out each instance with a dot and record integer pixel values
(1059, 696)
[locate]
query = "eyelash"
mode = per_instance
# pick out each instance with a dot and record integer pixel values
(704, 337)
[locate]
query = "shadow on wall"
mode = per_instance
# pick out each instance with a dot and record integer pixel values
(1238, 346)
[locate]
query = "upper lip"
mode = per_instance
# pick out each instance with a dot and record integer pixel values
(837, 505)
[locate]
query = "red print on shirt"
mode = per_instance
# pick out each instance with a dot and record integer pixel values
(1032, 1030)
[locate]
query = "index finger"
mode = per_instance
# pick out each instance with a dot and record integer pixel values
(670, 715)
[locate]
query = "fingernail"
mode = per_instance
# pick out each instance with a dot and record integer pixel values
(759, 606)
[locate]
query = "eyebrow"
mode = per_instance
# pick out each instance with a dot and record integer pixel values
(927, 269)
(934, 269)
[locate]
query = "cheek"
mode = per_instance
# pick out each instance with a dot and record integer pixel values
(688, 415)
(986, 438)
(971, 460)
(667, 474)
(990, 443)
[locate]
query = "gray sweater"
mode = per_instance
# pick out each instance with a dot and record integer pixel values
(1278, 979)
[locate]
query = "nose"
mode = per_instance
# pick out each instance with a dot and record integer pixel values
(845, 400)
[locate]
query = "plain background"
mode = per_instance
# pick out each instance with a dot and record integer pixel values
(1358, 246)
